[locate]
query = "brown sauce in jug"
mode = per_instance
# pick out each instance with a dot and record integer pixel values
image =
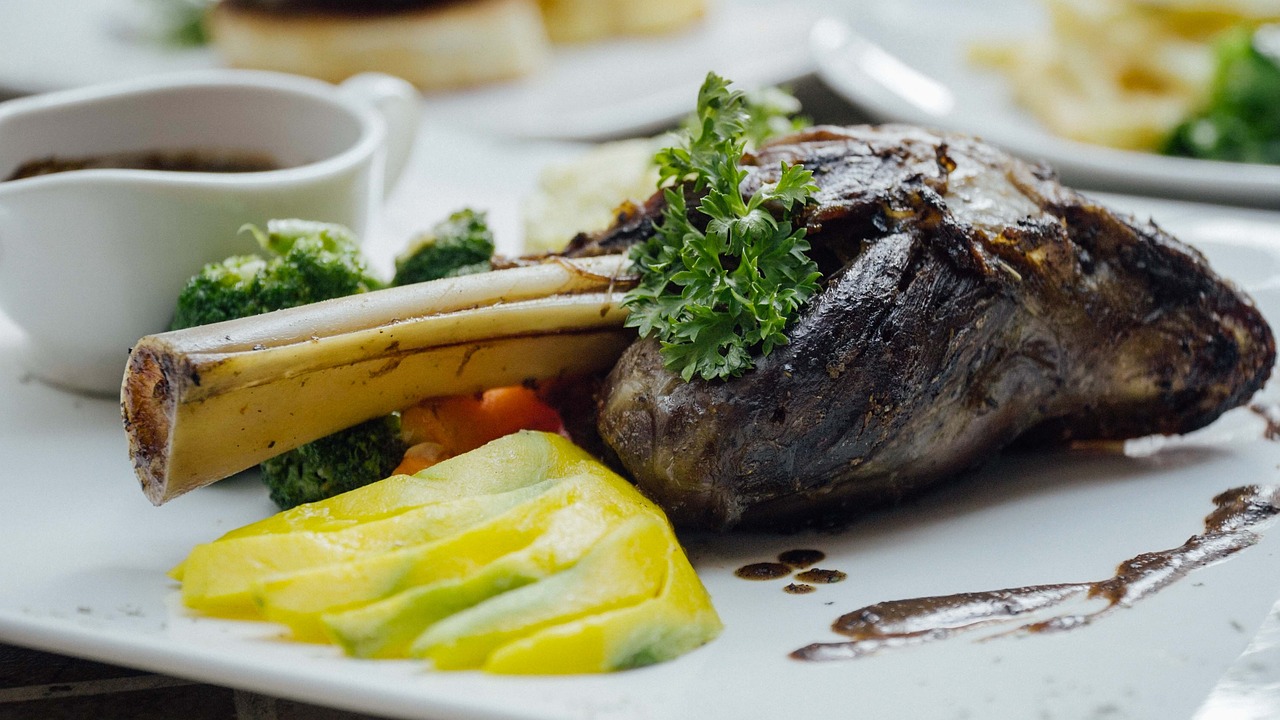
(209, 161)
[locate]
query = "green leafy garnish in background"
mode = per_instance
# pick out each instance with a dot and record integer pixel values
(771, 111)
(1242, 120)
(181, 23)
(714, 296)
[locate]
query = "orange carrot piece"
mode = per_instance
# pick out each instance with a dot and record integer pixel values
(420, 457)
(515, 408)
(461, 423)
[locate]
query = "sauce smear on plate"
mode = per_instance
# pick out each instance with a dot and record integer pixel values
(1230, 528)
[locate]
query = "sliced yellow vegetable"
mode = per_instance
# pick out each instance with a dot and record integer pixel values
(219, 577)
(680, 619)
(298, 599)
(511, 462)
(524, 556)
(385, 628)
(625, 567)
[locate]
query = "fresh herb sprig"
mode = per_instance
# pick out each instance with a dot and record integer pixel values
(715, 296)
(771, 111)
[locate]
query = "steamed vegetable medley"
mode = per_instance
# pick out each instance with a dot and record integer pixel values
(523, 556)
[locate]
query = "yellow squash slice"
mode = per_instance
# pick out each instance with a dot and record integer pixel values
(523, 556)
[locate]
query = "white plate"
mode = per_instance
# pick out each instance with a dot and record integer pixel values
(84, 557)
(908, 61)
(613, 88)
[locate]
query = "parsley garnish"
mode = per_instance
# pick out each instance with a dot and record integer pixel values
(713, 297)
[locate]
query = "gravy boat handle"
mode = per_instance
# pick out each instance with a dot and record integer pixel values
(400, 106)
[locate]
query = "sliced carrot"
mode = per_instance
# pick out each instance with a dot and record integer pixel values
(461, 423)
(516, 408)
(420, 456)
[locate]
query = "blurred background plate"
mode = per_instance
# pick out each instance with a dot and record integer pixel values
(631, 86)
(589, 91)
(908, 60)
(60, 44)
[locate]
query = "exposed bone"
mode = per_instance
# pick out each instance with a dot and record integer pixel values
(204, 403)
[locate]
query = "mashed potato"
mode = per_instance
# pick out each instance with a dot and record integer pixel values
(582, 195)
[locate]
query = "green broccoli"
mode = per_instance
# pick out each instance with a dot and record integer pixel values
(1242, 121)
(311, 262)
(222, 291)
(462, 244)
(344, 461)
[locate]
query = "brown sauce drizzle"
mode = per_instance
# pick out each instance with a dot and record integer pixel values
(899, 623)
(801, 558)
(763, 571)
(821, 577)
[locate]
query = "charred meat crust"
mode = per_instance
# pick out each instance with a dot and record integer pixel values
(969, 300)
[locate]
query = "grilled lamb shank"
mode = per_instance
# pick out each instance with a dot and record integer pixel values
(969, 300)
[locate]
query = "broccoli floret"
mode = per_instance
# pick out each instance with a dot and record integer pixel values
(343, 461)
(222, 291)
(460, 245)
(309, 262)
